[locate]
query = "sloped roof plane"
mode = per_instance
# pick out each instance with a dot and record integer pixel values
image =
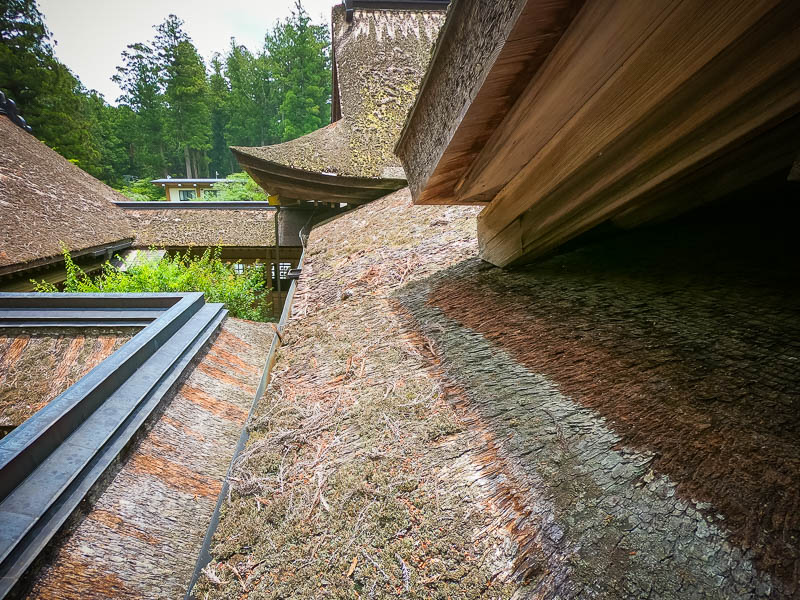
(46, 201)
(198, 227)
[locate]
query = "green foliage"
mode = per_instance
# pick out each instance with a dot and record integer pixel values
(243, 295)
(238, 187)
(141, 190)
(300, 65)
(49, 96)
(143, 104)
(175, 117)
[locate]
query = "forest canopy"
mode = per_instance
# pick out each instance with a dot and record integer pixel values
(176, 116)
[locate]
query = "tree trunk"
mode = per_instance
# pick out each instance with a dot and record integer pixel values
(188, 160)
(195, 171)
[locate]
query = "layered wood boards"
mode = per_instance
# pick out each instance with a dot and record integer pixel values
(641, 111)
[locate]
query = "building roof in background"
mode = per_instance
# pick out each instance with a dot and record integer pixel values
(379, 59)
(197, 227)
(172, 180)
(46, 201)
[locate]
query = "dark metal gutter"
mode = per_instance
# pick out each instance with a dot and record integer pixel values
(9, 108)
(205, 551)
(49, 463)
(196, 205)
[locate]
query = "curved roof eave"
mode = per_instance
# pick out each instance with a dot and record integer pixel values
(302, 185)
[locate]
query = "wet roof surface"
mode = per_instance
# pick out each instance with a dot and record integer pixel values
(615, 421)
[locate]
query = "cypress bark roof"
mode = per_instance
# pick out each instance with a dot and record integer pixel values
(379, 60)
(45, 201)
(197, 227)
(595, 410)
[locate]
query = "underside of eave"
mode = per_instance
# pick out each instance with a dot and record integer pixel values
(638, 113)
(680, 106)
(524, 33)
(299, 185)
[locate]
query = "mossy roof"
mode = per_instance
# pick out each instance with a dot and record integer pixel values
(46, 201)
(380, 58)
(435, 425)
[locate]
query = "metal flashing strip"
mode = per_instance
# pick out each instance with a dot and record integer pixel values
(351, 5)
(9, 108)
(49, 463)
(196, 204)
(205, 551)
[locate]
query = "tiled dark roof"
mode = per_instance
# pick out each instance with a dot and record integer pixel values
(434, 408)
(46, 201)
(197, 227)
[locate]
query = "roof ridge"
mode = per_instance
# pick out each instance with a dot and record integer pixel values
(9, 108)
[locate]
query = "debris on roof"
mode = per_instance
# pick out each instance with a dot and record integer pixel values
(193, 227)
(46, 201)
(438, 425)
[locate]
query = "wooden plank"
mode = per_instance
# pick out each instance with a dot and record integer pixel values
(536, 30)
(693, 89)
(604, 35)
(671, 197)
(765, 156)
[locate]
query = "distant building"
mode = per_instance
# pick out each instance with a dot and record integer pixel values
(185, 190)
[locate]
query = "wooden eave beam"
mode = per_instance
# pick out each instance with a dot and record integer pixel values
(794, 174)
(635, 98)
(530, 37)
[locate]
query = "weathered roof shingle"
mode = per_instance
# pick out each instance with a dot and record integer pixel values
(46, 201)
(198, 227)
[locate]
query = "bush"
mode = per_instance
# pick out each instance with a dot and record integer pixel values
(237, 187)
(142, 190)
(243, 295)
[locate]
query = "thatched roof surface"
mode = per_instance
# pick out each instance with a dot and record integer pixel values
(379, 61)
(197, 227)
(45, 201)
(156, 510)
(37, 365)
(428, 410)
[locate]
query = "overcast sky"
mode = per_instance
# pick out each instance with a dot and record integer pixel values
(91, 34)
